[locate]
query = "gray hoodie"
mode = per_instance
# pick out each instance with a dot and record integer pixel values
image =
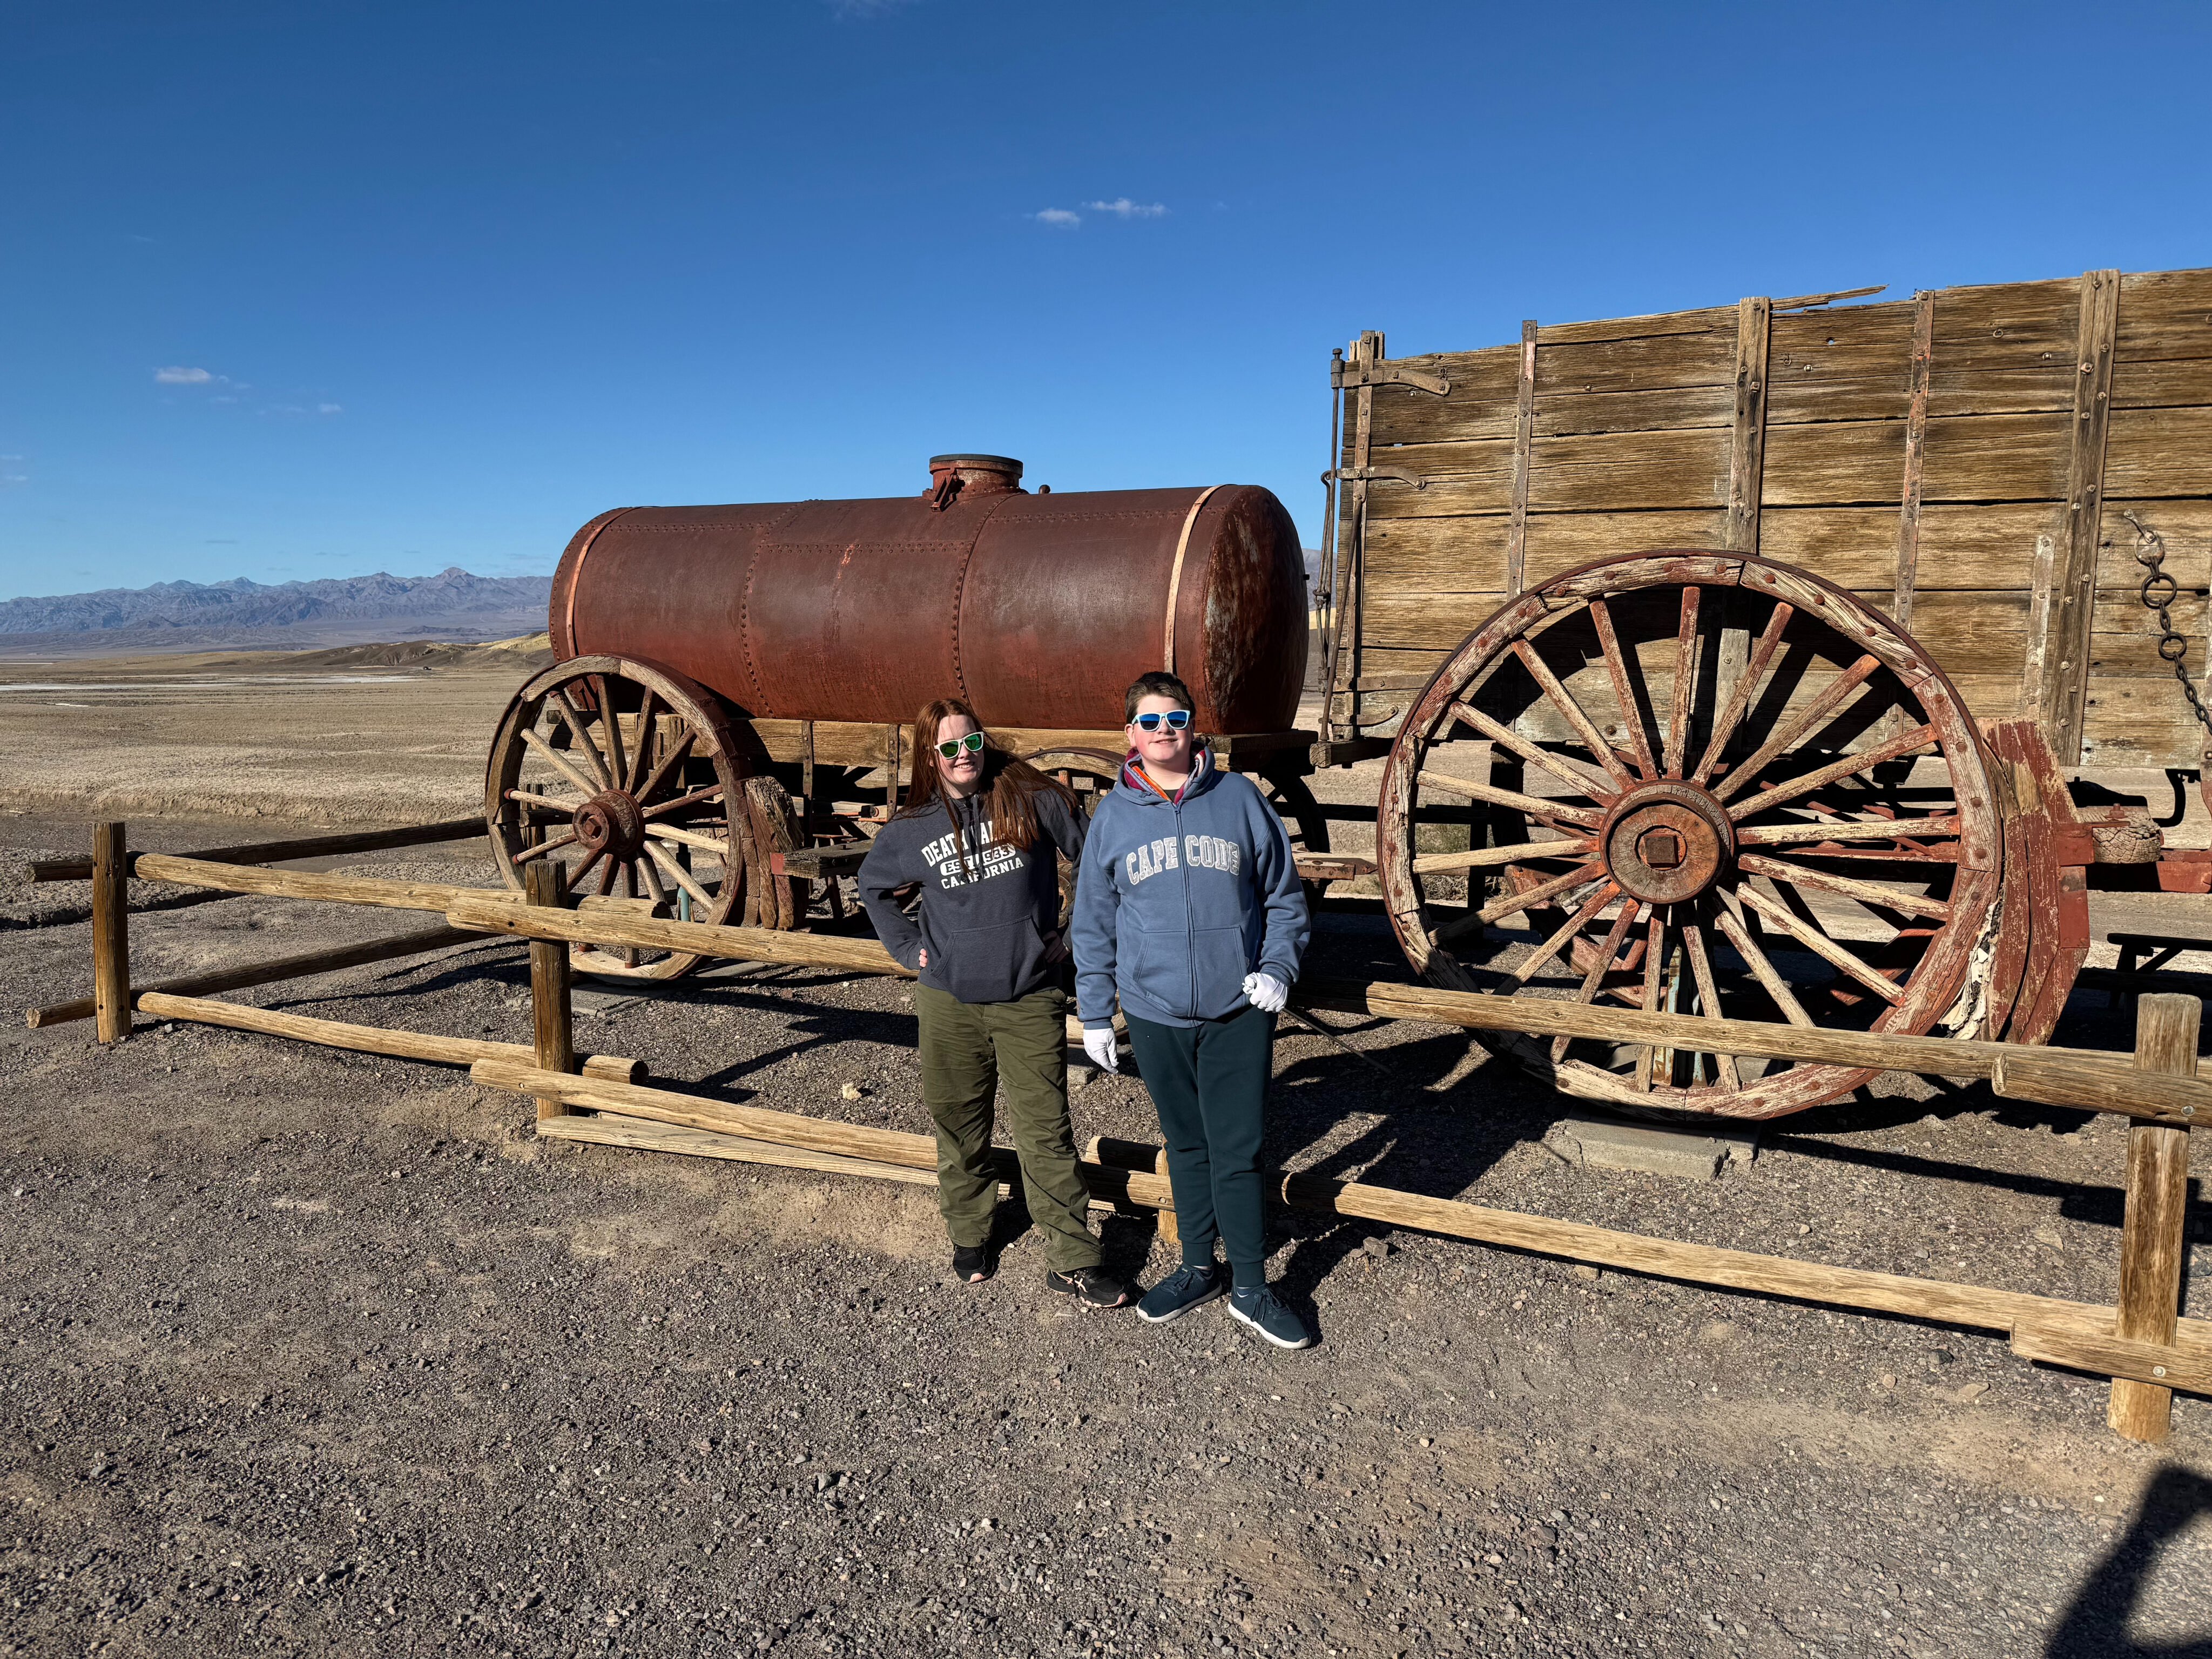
(987, 911)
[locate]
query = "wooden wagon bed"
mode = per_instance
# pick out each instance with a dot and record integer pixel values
(1966, 461)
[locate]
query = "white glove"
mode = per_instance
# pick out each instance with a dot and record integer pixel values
(1266, 993)
(1099, 1043)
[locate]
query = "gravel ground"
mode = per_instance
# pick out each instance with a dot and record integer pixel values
(309, 1351)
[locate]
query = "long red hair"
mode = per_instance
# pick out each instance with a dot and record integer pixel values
(1009, 787)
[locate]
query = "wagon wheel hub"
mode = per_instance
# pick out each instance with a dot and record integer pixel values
(611, 822)
(1665, 842)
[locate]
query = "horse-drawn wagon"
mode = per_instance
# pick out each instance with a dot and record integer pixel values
(1739, 662)
(1810, 759)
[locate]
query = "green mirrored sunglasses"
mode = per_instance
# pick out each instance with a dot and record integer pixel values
(952, 746)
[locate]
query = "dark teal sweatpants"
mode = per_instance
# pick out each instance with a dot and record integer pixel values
(1209, 1084)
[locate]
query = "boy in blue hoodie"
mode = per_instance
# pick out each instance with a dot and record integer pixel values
(1188, 907)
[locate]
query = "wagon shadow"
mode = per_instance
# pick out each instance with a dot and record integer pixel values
(1421, 1136)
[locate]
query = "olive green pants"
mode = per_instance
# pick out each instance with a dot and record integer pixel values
(969, 1048)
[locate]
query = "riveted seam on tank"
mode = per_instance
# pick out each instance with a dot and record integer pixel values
(960, 590)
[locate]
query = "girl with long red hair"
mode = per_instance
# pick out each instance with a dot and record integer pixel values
(981, 832)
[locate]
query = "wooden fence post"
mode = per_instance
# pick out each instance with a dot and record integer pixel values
(2151, 1225)
(545, 882)
(111, 931)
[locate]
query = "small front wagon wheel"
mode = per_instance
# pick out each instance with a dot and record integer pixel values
(627, 773)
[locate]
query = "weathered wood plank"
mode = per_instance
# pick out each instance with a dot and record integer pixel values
(2158, 452)
(1747, 431)
(1961, 546)
(1524, 427)
(1915, 449)
(2155, 1217)
(2165, 314)
(2066, 649)
(2009, 325)
(1979, 458)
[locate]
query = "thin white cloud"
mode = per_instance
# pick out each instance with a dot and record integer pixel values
(330, 409)
(1058, 218)
(1122, 208)
(177, 374)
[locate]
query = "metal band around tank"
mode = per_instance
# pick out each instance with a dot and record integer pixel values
(1175, 576)
(576, 577)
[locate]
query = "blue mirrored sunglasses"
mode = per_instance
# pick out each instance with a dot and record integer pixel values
(1176, 719)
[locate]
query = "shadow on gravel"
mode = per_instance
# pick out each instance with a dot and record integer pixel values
(2095, 1625)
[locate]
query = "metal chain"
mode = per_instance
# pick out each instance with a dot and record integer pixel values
(2172, 646)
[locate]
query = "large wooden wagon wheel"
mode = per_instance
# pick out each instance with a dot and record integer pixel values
(640, 807)
(1715, 785)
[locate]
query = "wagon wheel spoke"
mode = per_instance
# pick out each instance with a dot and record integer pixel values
(1616, 668)
(1884, 894)
(525, 796)
(649, 878)
(1533, 805)
(674, 758)
(683, 801)
(1518, 853)
(1654, 947)
(1607, 954)
(1942, 827)
(1746, 692)
(610, 724)
(1543, 954)
(1563, 700)
(1686, 676)
(648, 717)
(1762, 969)
(1560, 767)
(1821, 945)
(606, 874)
(546, 752)
(598, 855)
(1808, 719)
(581, 735)
(543, 848)
(677, 873)
(1709, 998)
(1896, 749)
(1498, 909)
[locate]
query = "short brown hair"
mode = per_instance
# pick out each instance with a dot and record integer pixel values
(1157, 684)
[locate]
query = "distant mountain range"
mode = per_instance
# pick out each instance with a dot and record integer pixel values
(243, 614)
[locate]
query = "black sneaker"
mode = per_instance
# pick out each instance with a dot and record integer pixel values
(1263, 1311)
(1094, 1287)
(971, 1263)
(1179, 1293)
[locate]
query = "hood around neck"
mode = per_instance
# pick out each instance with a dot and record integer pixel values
(1133, 785)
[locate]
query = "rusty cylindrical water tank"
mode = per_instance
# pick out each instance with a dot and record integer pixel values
(1037, 609)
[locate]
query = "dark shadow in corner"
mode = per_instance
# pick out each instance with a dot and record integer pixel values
(2095, 1625)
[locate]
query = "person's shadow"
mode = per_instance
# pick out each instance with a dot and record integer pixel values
(2095, 1625)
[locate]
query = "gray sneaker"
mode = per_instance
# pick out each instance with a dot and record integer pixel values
(1263, 1311)
(1179, 1293)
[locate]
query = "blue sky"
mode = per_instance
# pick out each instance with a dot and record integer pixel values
(459, 276)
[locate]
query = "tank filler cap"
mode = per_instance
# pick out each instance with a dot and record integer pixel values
(973, 475)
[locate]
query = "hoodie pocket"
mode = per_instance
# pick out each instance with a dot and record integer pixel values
(1218, 966)
(994, 964)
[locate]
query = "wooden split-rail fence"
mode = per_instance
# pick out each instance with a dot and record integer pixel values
(2142, 1343)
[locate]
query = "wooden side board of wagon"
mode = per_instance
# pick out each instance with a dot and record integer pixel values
(1985, 466)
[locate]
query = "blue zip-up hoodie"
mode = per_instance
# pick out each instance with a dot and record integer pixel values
(1178, 900)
